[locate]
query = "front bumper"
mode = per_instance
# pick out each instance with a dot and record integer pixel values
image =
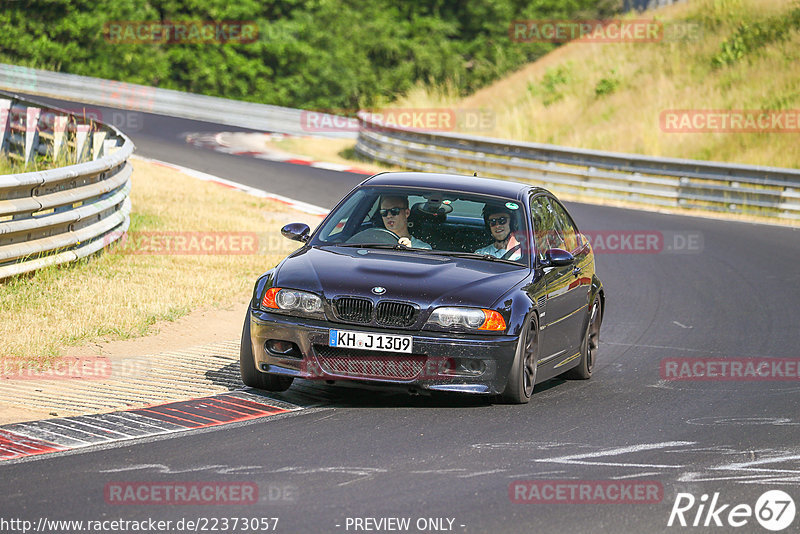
(463, 363)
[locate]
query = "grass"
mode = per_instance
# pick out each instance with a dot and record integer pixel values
(7, 165)
(119, 296)
(609, 96)
(39, 162)
(13, 165)
(716, 54)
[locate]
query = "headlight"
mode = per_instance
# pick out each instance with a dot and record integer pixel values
(469, 318)
(292, 300)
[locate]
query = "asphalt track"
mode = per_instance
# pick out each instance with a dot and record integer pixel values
(361, 454)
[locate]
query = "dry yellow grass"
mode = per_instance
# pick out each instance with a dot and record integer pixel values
(14, 164)
(650, 78)
(116, 296)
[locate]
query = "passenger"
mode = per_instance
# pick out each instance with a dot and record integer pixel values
(499, 222)
(394, 211)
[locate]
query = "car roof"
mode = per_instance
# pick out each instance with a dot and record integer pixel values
(455, 182)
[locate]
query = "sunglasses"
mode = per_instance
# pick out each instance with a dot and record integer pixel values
(393, 211)
(498, 220)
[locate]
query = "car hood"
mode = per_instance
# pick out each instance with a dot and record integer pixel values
(424, 279)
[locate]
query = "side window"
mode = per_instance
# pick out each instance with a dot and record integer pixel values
(571, 237)
(546, 231)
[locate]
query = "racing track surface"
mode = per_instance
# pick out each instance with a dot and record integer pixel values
(356, 453)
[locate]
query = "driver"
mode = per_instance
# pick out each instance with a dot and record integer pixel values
(499, 222)
(394, 211)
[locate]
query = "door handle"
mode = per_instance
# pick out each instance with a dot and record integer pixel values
(576, 270)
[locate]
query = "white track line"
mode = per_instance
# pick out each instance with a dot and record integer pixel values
(299, 205)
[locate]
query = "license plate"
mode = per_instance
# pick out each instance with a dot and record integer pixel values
(367, 341)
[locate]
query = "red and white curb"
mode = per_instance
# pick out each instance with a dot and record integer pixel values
(299, 205)
(21, 440)
(217, 143)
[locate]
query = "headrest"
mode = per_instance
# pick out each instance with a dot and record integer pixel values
(427, 212)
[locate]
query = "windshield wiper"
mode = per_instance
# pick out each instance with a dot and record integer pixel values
(452, 253)
(384, 246)
(473, 255)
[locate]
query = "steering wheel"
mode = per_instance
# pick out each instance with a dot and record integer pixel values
(380, 236)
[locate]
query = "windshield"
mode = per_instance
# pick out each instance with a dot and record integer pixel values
(429, 220)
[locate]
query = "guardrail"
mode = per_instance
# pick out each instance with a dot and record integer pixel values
(167, 102)
(645, 180)
(63, 214)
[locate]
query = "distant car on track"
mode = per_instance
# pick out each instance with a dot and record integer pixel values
(430, 282)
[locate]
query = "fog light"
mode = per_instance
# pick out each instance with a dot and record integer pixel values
(284, 348)
(476, 366)
(464, 367)
(469, 366)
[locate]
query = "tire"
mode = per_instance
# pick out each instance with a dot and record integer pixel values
(589, 345)
(247, 368)
(522, 377)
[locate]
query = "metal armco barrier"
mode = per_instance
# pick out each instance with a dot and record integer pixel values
(60, 215)
(650, 181)
(644, 180)
(167, 102)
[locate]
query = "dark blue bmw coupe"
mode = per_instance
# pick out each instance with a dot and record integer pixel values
(430, 282)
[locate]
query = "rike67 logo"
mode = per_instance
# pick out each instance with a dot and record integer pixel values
(774, 510)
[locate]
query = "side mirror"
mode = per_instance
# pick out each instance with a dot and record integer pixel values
(555, 257)
(296, 231)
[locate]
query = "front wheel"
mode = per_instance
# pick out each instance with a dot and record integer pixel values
(589, 345)
(522, 377)
(247, 366)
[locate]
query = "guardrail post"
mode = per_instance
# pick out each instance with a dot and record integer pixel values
(81, 134)
(109, 145)
(5, 123)
(31, 132)
(97, 144)
(59, 131)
